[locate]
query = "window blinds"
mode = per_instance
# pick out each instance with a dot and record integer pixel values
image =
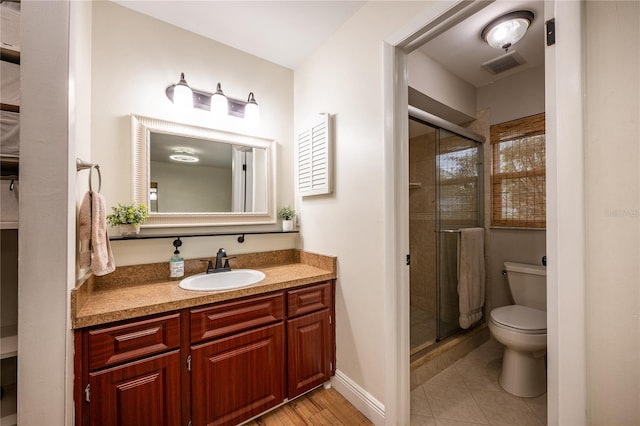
(518, 173)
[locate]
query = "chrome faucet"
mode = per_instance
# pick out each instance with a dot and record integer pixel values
(219, 266)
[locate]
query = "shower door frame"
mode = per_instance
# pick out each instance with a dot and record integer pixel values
(438, 124)
(479, 141)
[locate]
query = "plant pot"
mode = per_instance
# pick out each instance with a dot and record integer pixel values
(287, 225)
(129, 230)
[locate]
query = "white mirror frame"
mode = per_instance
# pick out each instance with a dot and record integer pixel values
(141, 127)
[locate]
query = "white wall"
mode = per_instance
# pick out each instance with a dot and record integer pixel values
(516, 96)
(46, 236)
(80, 141)
(192, 188)
(613, 206)
(135, 58)
(344, 77)
(429, 77)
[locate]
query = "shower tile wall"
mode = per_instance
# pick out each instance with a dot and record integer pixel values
(422, 243)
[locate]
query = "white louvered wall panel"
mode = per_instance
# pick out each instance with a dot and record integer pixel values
(315, 157)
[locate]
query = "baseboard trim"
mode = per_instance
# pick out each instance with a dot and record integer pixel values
(360, 398)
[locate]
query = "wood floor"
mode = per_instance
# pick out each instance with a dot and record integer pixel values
(319, 407)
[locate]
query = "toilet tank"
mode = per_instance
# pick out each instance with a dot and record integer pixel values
(528, 284)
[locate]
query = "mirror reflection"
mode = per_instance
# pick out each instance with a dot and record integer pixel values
(195, 175)
(198, 176)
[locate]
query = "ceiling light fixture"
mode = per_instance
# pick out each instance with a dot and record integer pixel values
(184, 156)
(218, 103)
(507, 30)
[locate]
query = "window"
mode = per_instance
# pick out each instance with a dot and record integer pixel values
(518, 173)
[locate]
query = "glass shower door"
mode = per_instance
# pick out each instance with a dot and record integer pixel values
(458, 205)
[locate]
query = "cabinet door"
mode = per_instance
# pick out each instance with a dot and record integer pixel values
(140, 393)
(237, 377)
(309, 352)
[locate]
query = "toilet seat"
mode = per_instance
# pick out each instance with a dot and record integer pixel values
(521, 319)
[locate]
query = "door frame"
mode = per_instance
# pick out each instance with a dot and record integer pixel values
(565, 208)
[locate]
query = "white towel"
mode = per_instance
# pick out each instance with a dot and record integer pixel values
(95, 248)
(471, 284)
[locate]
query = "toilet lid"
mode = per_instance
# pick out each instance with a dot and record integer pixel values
(521, 318)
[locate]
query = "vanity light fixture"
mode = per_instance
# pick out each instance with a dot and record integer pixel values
(218, 103)
(506, 30)
(182, 94)
(252, 111)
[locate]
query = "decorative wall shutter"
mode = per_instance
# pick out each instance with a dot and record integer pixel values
(315, 157)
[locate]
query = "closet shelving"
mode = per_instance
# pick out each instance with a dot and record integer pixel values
(9, 178)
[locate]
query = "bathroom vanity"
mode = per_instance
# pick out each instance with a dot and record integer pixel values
(152, 353)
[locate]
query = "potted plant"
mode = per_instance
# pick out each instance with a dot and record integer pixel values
(286, 214)
(128, 218)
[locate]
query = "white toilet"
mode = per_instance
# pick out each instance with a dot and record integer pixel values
(522, 329)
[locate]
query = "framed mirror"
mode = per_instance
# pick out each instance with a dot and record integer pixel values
(196, 176)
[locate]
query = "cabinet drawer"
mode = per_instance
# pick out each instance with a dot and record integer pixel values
(308, 299)
(232, 317)
(125, 342)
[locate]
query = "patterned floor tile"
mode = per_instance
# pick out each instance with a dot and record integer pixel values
(468, 394)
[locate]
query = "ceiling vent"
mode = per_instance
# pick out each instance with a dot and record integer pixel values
(504, 63)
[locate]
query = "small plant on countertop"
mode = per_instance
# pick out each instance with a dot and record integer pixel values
(286, 213)
(128, 215)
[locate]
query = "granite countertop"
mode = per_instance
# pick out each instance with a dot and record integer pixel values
(139, 290)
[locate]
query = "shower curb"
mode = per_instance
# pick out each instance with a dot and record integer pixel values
(441, 355)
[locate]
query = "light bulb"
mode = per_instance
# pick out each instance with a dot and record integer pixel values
(219, 103)
(182, 94)
(508, 33)
(252, 111)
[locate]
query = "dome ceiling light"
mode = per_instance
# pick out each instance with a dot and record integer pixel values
(506, 30)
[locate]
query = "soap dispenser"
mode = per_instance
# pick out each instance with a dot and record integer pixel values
(176, 263)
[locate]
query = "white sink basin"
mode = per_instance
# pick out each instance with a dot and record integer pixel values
(236, 278)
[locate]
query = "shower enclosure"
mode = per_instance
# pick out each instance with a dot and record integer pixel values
(445, 195)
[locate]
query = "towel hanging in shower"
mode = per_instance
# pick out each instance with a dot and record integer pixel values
(471, 282)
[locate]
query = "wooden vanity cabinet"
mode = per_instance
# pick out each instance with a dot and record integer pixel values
(129, 373)
(309, 338)
(219, 364)
(240, 372)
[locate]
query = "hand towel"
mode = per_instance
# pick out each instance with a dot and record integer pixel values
(471, 284)
(84, 231)
(102, 261)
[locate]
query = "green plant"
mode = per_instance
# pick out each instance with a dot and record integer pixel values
(128, 214)
(286, 213)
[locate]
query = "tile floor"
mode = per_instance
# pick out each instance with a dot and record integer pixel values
(467, 393)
